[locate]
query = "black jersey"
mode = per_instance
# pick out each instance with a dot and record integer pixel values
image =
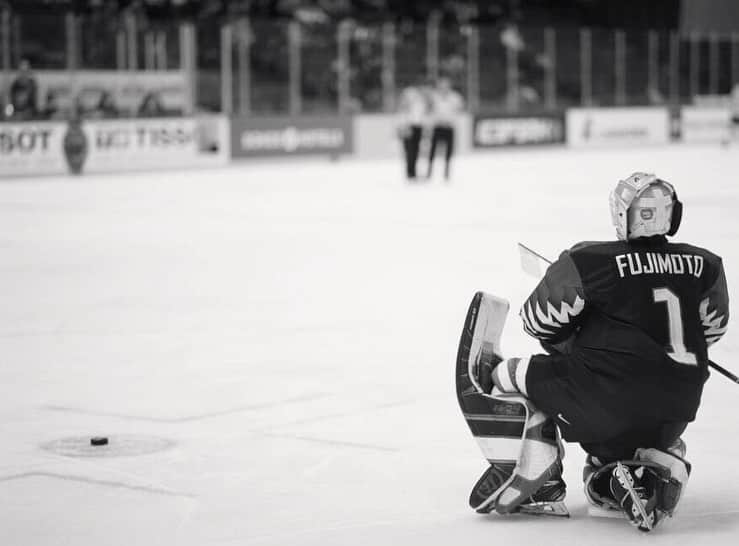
(639, 316)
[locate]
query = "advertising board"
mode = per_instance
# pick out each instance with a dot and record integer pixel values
(134, 144)
(28, 148)
(495, 130)
(376, 136)
(702, 124)
(617, 126)
(259, 136)
(114, 145)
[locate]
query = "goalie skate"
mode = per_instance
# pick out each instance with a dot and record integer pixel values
(635, 491)
(646, 490)
(519, 442)
(548, 500)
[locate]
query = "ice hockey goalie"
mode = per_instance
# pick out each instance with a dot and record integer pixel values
(626, 326)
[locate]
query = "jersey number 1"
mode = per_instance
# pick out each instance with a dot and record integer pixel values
(675, 321)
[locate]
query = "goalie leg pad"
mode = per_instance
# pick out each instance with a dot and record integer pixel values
(520, 443)
(496, 424)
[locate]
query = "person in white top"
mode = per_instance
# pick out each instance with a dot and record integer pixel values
(446, 104)
(413, 110)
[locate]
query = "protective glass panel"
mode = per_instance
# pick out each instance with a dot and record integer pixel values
(269, 67)
(493, 72)
(319, 68)
(365, 68)
(567, 67)
(604, 67)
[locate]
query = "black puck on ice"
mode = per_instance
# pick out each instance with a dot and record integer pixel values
(98, 441)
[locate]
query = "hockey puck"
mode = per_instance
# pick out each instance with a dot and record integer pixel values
(98, 441)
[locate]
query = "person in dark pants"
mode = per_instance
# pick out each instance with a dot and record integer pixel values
(446, 104)
(445, 135)
(411, 146)
(413, 110)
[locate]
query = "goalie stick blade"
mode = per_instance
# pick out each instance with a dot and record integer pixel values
(532, 262)
(556, 509)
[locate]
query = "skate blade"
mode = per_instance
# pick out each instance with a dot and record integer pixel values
(605, 513)
(555, 508)
(645, 524)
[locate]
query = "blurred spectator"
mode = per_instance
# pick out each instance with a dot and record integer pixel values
(23, 93)
(52, 108)
(79, 109)
(532, 66)
(511, 38)
(446, 105)
(152, 106)
(654, 96)
(105, 108)
(412, 111)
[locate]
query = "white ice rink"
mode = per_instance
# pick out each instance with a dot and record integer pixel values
(287, 332)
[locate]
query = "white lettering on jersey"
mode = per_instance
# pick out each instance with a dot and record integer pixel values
(633, 264)
(621, 264)
(664, 263)
(677, 264)
(698, 266)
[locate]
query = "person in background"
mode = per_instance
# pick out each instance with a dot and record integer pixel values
(151, 106)
(106, 107)
(412, 110)
(446, 104)
(80, 107)
(23, 93)
(52, 109)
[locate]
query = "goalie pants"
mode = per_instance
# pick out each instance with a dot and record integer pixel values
(591, 413)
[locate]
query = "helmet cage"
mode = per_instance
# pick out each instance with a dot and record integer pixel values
(627, 191)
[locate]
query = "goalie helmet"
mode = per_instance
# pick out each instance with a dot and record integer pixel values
(644, 205)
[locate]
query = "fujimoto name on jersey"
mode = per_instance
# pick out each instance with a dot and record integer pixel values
(635, 263)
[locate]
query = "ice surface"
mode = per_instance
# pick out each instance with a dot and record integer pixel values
(292, 329)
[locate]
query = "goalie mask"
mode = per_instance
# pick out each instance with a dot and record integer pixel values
(643, 206)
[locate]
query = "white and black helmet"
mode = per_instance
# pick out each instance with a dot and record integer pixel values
(644, 205)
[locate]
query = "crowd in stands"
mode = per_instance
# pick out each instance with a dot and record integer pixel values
(21, 102)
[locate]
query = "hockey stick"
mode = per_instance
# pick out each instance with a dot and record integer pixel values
(723, 371)
(532, 263)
